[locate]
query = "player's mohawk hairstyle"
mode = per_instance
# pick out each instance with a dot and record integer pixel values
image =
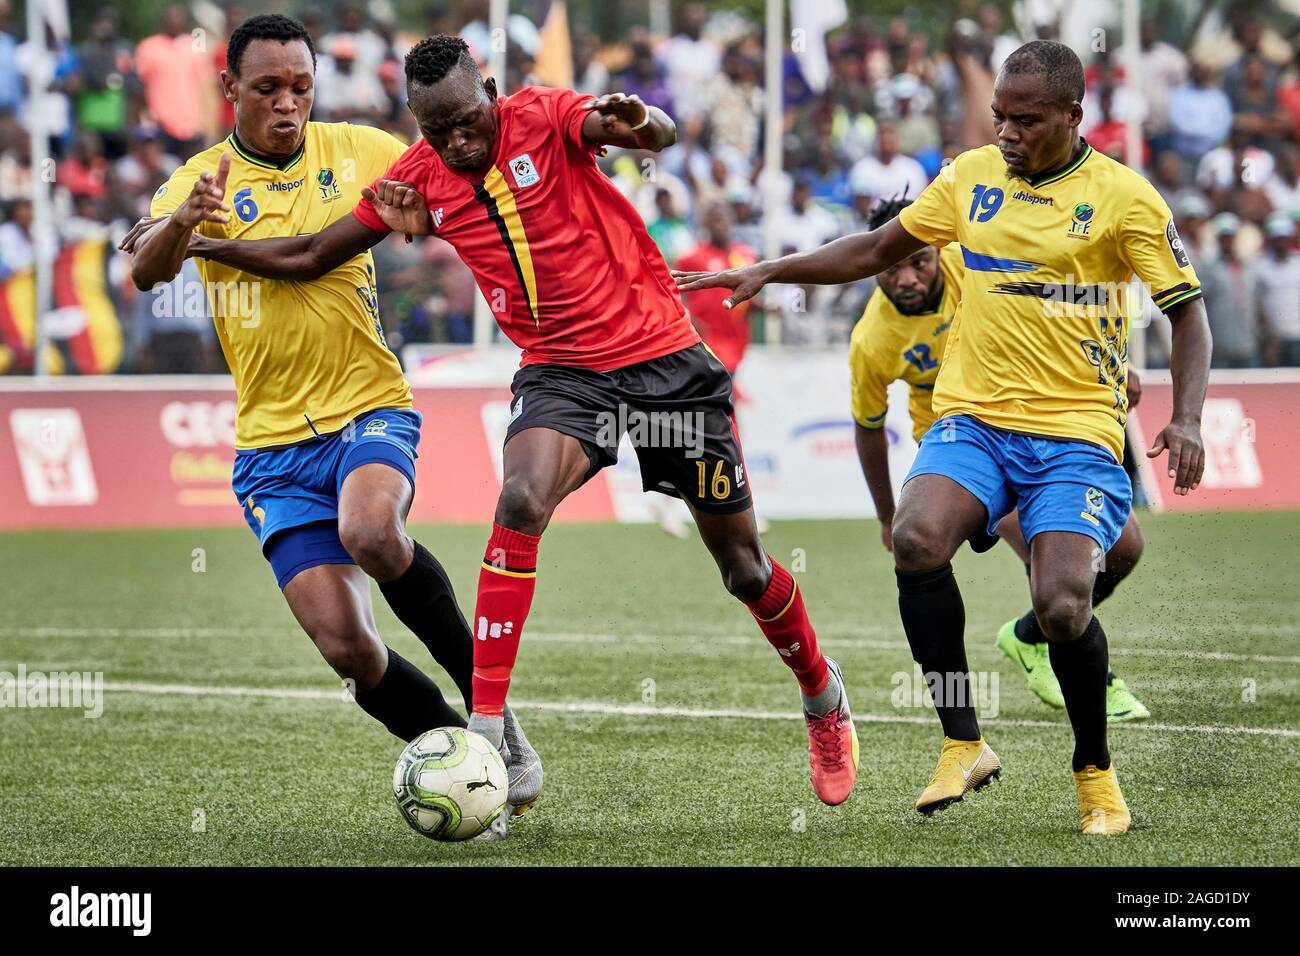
(1059, 66)
(265, 26)
(886, 210)
(434, 57)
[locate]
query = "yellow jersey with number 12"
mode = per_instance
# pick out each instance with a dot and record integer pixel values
(1040, 340)
(887, 345)
(307, 357)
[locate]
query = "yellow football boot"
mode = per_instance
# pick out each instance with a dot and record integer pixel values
(1102, 809)
(964, 765)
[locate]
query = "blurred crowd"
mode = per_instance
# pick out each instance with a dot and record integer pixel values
(1219, 128)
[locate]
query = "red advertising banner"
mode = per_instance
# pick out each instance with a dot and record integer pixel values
(158, 453)
(1251, 429)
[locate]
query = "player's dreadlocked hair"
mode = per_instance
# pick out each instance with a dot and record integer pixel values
(265, 26)
(434, 57)
(1059, 66)
(884, 211)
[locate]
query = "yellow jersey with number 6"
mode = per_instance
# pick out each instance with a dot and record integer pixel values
(307, 357)
(1039, 343)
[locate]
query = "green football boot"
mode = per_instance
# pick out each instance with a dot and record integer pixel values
(1121, 705)
(1033, 660)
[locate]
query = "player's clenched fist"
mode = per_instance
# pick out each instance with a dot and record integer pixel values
(619, 113)
(205, 202)
(400, 206)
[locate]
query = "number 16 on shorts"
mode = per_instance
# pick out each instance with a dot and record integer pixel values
(717, 486)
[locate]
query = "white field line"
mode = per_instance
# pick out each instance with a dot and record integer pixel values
(701, 641)
(695, 713)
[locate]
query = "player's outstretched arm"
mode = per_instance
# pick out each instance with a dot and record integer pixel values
(873, 455)
(1189, 364)
(618, 119)
(847, 259)
(298, 258)
(157, 253)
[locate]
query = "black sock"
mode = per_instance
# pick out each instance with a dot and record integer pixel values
(1081, 668)
(1103, 586)
(1028, 630)
(424, 601)
(406, 701)
(934, 620)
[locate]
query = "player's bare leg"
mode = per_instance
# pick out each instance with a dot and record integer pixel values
(934, 516)
(773, 597)
(373, 504)
(1023, 641)
(332, 603)
(1063, 567)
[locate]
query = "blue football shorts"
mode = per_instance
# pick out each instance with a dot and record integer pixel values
(290, 494)
(1056, 484)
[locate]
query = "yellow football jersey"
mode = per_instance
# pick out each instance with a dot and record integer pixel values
(307, 357)
(1039, 343)
(887, 345)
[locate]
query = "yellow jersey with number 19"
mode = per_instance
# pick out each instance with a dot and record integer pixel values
(307, 357)
(1039, 343)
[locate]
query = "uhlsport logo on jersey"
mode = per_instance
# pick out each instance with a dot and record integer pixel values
(1081, 220)
(1033, 200)
(1093, 500)
(524, 171)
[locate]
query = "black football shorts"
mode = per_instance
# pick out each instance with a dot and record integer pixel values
(676, 410)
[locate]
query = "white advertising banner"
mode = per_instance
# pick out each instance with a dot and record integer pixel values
(797, 431)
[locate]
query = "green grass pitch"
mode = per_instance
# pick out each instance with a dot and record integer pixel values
(660, 712)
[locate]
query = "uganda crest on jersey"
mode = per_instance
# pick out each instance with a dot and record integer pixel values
(307, 357)
(560, 255)
(1040, 341)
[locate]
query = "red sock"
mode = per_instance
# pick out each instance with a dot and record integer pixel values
(784, 622)
(505, 593)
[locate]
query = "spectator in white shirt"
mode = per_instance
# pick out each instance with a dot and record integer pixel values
(806, 225)
(370, 48)
(16, 251)
(353, 94)
(889, 173)
(1161, 69)
(689, 62)
(1283, 188)
(1279, 282)
(1235, 164)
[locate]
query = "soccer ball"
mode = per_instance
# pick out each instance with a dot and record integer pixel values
(450, 784)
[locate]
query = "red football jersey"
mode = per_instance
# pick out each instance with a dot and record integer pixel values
(563, 259)
(726, 331)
